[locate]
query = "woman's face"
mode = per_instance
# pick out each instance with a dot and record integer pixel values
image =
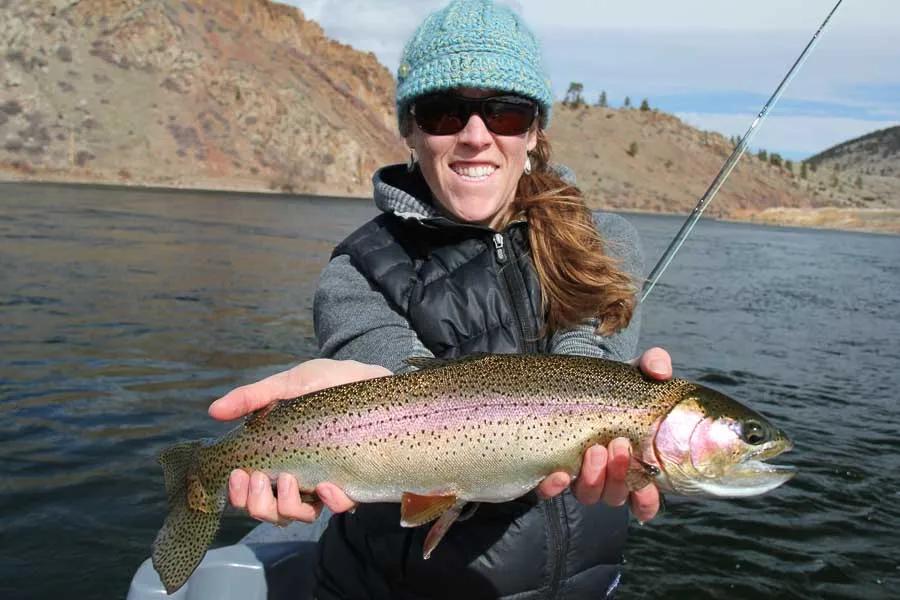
(473, 174)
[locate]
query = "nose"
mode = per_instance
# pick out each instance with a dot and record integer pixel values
(475, 133)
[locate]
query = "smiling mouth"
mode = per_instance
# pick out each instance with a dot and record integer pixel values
(474, 173)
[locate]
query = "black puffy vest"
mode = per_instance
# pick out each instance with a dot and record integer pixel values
(467, 289)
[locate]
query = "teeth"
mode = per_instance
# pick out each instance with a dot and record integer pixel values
(475, 172)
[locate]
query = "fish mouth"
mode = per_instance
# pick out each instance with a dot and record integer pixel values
(753, 476)
(772, 449)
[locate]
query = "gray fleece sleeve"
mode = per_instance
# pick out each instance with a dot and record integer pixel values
(620, 242)
(354, 321)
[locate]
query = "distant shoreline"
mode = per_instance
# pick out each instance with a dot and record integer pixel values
(148, 187)
(828, 218)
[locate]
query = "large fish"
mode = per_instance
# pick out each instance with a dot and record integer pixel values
(485, 428)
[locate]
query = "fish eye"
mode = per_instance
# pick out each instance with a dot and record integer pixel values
(753, 433)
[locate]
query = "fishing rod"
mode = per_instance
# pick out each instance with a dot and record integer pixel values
(729, 165)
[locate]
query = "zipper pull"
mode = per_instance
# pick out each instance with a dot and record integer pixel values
(498, 247)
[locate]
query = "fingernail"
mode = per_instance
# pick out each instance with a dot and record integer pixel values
(258, 483)
(234, 484)
(212, 406)
(658, 365)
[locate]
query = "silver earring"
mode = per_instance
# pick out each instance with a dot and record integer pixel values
(411, 163)
(527, 165)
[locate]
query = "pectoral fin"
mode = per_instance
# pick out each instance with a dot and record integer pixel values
(417, 510)
(640, 474)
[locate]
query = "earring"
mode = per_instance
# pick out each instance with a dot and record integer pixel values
(411, 163)
(527, 165)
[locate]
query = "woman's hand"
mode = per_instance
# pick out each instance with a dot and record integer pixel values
(253, 490)
(603, 470)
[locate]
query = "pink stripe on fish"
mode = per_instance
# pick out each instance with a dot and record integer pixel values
(444, 415)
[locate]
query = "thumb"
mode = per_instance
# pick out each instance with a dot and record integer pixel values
(248, 398)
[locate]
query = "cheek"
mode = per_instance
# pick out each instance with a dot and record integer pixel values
(714, 445)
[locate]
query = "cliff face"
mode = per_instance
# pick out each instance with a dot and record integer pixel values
(245, 94)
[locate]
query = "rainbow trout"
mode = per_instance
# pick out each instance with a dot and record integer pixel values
(485, 428)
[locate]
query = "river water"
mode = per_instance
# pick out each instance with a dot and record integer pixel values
(123, 313)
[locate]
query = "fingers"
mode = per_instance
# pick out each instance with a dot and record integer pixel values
(254, 493)
(553, 485)
(261, 503)
(615, 492)
(589, 486)
(656, 363)
(334, 498)
(645, 503)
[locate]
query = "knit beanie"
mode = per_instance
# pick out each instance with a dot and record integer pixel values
(473, 43)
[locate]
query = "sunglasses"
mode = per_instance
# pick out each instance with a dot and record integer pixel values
(445, 114)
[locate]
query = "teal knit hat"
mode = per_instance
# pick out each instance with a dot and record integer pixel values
(473, 43)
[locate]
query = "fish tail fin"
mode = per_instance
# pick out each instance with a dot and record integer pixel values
(193, 519)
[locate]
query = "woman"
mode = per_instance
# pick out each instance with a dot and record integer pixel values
(481, 247)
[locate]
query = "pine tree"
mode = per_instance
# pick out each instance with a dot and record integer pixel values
(573, 96)
(762, 155)
(602, 102)
(803, 170)
(645, 105)
(627, 103)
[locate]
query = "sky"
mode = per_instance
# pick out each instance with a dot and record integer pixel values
(712, 63)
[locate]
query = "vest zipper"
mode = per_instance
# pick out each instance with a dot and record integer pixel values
(498, 248)
(559, 542)
(516, 292)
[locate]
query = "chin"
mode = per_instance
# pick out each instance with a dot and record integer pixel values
(476, 215)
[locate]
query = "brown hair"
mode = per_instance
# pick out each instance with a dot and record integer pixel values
(578, 280)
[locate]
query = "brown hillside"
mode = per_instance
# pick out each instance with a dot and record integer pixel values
(244, 94)
(647, 160)
(863, 172)
(250, 95)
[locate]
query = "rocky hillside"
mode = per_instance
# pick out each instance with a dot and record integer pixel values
(250, 95)
(244, 94)
(647, 160)
(863, 172)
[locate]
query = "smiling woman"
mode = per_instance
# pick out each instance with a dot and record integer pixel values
(482, 247)
(472, 146)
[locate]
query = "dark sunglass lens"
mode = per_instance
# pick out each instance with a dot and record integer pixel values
(508, 118)
(439, 116)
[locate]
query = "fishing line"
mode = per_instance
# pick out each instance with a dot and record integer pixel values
(729, 165)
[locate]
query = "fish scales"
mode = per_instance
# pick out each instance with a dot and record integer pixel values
(484, 428)
(445, 430)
